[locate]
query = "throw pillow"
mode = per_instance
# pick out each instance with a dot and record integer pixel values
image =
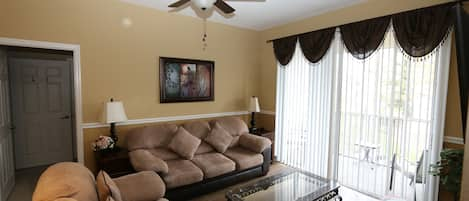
(184, 144)
(107, 188)
(219, 138)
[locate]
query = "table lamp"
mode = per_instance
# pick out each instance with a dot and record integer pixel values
(253, 108)
(114, 113)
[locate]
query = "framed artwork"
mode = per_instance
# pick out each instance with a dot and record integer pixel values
(186, 80)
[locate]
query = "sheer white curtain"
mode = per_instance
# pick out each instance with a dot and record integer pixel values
(304, 102)
(389, 119)
(385, 113)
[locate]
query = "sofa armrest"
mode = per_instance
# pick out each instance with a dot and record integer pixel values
(143, 160)
(141, 186)
(254, 143)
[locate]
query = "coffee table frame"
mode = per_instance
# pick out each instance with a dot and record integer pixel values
(329, 191)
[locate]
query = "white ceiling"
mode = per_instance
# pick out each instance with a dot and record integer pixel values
(255, 14)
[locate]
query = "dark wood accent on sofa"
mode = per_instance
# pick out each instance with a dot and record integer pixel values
(115, 163)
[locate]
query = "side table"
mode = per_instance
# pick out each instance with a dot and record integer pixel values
(115, 162)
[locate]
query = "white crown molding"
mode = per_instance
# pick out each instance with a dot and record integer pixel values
(454, 140)
(166, 119)
(268, 112)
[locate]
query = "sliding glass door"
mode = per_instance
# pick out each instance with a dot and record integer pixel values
(375, 125)
(387, 120)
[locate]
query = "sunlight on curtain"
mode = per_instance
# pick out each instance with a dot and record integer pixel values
(387, 119)
(304, 101)
(373, 121)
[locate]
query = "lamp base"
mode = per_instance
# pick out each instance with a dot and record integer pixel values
(253, 128)
(113, 133)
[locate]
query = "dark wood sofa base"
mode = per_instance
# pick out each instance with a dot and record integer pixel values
(213, 184)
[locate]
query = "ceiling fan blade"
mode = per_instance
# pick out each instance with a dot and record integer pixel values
(178, 3)
(224, 7)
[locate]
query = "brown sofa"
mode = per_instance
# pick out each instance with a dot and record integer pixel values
(199, 157)
(69, 181)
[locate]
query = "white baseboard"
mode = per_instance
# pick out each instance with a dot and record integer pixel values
(167, 119)
(454, 140)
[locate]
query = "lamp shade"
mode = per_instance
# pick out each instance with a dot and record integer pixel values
(254, 105)
(114, 112)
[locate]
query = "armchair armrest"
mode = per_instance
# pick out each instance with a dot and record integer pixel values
(131, 185)
(254, 143)
(143, 160)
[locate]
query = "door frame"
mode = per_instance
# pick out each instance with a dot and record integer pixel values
(77, 106)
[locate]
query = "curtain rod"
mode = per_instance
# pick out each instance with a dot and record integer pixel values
(453, 2)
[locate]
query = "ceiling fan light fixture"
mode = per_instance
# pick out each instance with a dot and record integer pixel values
(204, 4)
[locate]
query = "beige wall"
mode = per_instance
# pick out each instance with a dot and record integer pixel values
(465, 175)
(123, 62)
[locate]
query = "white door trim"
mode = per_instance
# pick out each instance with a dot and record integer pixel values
(76, 81)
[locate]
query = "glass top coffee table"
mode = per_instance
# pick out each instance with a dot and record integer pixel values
(288, 186)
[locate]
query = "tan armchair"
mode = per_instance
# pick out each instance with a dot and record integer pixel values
(74, 182)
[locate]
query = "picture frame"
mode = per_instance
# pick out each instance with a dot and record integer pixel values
(186, 80)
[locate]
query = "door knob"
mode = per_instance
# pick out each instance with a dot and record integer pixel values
(65, 117)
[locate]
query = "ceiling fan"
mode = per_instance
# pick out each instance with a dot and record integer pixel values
(206, 4)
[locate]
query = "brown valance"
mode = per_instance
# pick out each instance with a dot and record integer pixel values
(284, 49)
(420, 31)
(315, 44)
(362, 38)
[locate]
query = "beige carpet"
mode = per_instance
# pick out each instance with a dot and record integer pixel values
(25, 182)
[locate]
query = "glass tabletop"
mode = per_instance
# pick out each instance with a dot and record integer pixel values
(292, 185)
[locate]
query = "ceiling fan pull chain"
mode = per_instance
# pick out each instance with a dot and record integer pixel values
(204, 38)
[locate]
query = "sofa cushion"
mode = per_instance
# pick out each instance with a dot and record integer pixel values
(244, 158)
(142, 186)
(233, 125)
(184, 144)
(214, 164)
(254, 143)
(150, 136)
(219, 138)
(164, 153)
(234, 142)
(78, 184)
(180, 173)
(106, 187)
(143, 160)
(199, 129)
(204, 148)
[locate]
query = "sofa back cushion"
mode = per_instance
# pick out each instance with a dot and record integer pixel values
(150, 136)
(235, 126)
(66, 180)
(199, 129)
